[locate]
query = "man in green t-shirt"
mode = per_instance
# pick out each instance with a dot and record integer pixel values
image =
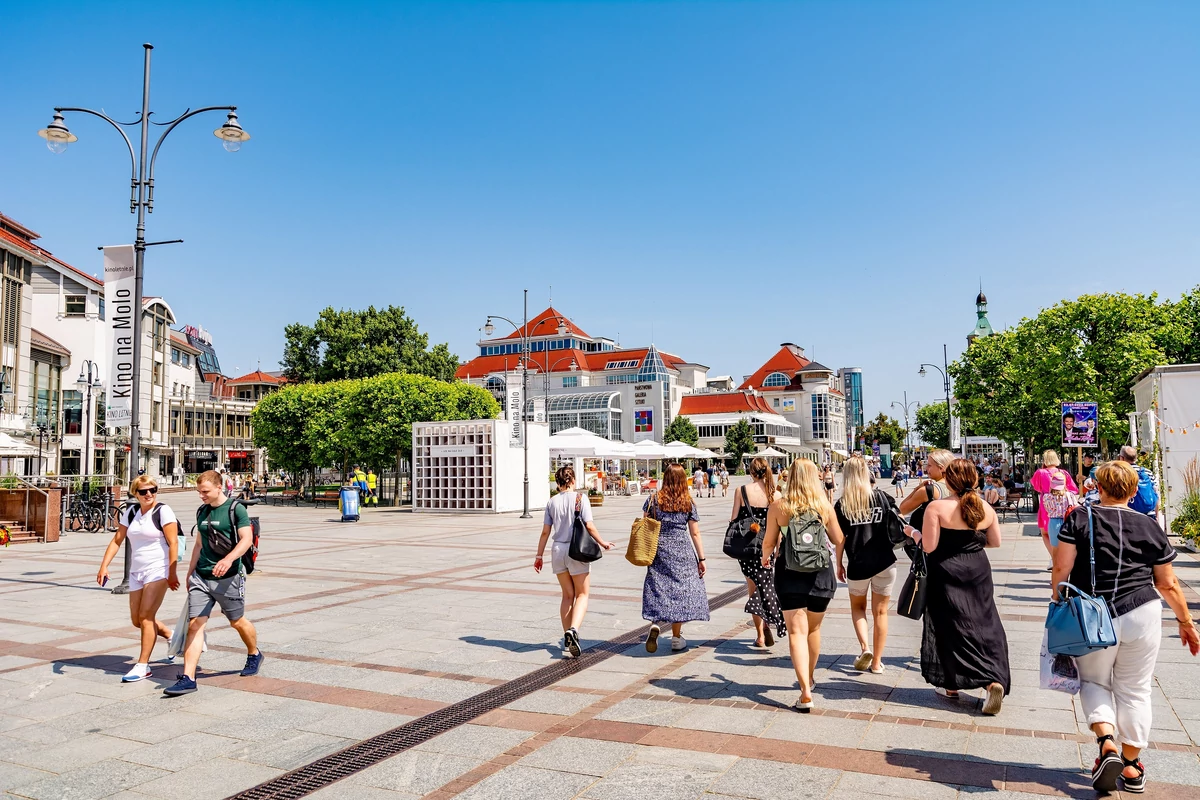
(215, 578)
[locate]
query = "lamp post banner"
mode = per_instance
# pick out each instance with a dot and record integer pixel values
(118, 301)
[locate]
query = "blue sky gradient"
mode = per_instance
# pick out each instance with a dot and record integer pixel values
(721, 177)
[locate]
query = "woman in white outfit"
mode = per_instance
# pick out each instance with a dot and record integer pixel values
(154, 548)
(1133, 559)
(572, 575)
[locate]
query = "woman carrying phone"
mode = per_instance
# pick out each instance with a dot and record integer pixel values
(153, 533)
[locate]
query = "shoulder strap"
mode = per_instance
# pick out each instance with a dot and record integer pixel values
(156, 517)
(929, 491)
(1091, 550)
(745, 497)
(233, 528)
(578, 504)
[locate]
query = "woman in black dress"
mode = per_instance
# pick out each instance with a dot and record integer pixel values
(762, 602)
(963, 645)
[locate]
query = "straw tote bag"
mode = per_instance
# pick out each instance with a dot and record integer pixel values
(643, 538)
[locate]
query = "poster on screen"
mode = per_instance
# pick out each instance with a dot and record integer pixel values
(1079, 423)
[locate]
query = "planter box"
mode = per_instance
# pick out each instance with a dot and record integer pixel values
(596, 499)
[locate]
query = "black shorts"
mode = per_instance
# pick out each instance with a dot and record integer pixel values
(791, 602)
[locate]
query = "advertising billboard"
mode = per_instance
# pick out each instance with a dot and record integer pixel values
(1079, 423)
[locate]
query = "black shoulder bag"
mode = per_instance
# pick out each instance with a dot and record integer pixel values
(742, 536)
(911, 602)
(583, 547)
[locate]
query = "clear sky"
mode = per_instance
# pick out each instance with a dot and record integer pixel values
(720, 177)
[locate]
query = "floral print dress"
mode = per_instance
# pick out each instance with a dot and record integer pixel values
(674, 590)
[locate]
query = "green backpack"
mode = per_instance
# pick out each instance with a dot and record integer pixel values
(804, 547)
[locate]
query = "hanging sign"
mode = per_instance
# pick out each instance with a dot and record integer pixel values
(514, 406)
(118, 301)
(1079, 422)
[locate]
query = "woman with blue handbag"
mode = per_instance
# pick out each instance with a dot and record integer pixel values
(1124, 556)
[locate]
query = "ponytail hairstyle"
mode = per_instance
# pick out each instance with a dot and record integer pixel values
(565, 477)
(856, 498)
(961, 477)
(760, 470)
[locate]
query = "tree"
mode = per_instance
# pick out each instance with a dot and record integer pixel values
(361, 344)
(1183, 343)
(681, 429)
(885, 430)
(932, 425)
(739, 440)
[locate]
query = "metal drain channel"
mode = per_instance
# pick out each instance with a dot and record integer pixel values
(357, 757)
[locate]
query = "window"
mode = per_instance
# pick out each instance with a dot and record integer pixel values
(775, 402)
(186, 360)
(820, 416)
(76, 305)
(777, 379)
(612, 379)
(175, 355)
(68, 463)
(72, 412)
(156, 416)
(157, 372)
(101, 317)
(175, 421)
(621, 364)
(571, 382)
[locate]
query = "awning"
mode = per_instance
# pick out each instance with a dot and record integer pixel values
(14, 448)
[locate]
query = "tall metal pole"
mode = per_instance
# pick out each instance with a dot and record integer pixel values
(524, 393)
(139, 264)
(946, 386)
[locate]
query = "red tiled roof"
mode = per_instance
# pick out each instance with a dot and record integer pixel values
(44, 343)
(784, 361)
(560, 361)
(33, 248)
(723, 403)
(838, 392)
(258, 376)
(546, 324)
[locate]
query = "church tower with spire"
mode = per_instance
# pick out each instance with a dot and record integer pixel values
(982, 326)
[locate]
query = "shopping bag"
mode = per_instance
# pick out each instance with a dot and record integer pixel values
(1059, 672)
(179, 638)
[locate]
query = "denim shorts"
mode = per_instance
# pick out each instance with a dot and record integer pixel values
(1054, 525)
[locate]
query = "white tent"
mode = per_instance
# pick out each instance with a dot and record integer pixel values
(579, 442)
(650, 450)
(12, 448)
(770, 452)
(684, 450)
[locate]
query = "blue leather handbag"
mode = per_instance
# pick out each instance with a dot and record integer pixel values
(1081, 624)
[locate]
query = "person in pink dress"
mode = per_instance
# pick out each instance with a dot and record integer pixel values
(1041, 483)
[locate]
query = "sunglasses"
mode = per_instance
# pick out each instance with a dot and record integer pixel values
(148, 492)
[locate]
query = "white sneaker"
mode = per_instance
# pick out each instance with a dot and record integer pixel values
(678, 643)
(139, 672)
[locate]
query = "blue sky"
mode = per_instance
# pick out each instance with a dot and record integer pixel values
(721, 177)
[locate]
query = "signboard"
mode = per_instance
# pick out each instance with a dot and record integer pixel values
(118, 300)
(643, 424)
(1079, 421)
(204, 455)
(513, 406)
(788, 405)
(453, 451)
(539, 409)
(236, 454)
(955, 433)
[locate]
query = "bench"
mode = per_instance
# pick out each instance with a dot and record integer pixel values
(287, 496)
(1011, 504)
(331, 496)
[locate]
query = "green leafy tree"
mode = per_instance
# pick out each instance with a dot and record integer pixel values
(279, 422)
(681, 429)
(933, 425)
(345, 344)
(739, 440)
(885, 430)
(1182, 340)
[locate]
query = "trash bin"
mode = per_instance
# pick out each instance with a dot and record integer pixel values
(349, 503)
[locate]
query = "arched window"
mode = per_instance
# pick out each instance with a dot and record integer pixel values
(777, 379)
(495, 386)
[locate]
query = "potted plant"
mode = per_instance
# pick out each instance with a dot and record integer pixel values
(1186, 524)
(595, 497)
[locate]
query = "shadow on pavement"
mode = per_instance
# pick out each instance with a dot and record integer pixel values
(951, 769)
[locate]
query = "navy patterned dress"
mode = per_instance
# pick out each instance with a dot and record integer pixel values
(674, 590)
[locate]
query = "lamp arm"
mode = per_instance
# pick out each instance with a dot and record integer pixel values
(175, 123)
(119, 129)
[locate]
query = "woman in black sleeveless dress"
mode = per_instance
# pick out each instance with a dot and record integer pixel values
(963, 645)
(761, 602)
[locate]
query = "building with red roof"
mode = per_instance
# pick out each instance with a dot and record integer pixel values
(579, 380)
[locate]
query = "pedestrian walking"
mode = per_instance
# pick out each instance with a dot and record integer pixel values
(863, 515)
(762, 604)
(1146, 499)
(713, 480)
(1042, 481)
(372, 486)
(963, 644)
(1132, 558)
(1058, 503)
(558, 523)
(216, 577)
(177, 475)
(674, 587)
(827, 479)
(806, 515)
(897, 482)
(699, 481)
(932, 488)
(154, 548)
(724, 473)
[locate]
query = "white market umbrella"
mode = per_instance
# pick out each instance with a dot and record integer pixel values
(771, 452)
(11, 447)
(650, 450)
(679, 450)
(580, 443)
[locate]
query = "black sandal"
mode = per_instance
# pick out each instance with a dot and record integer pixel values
(1134, 785)
(1107, 768)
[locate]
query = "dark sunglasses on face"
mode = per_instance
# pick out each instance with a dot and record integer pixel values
(148, 492)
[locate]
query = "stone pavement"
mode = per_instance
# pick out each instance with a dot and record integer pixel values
(367, 626)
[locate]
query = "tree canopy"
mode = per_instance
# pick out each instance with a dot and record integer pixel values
(932, 425)
(739, 440)
(1010, 385)
(345, 343)
(885, 430)
(681, 429)
(367, 421)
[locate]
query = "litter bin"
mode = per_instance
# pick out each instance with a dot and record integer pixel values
(348, 503)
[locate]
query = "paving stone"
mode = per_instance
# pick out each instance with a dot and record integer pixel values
(651, 780)
(343, 790)
(546, 701)
(523, 783)
(183, 751)
(793, 727)
(770, 780)
(14, 776)
(672, 757)
(161, 728)
(95, 780)
(355, 723)
(939, 742)
(291, 749)
(75, 753)
(742, 721)
(645, 712)
(1169, 767)
(1022, 751)
(476, 741)
(582, 756)
(415, 771)
(858, 785)
(216, 777)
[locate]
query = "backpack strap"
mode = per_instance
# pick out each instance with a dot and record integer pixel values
(156, 517)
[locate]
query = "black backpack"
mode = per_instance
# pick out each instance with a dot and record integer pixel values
(223, 545)
(155, 516)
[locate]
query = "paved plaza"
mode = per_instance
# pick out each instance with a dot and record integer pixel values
(368, 626)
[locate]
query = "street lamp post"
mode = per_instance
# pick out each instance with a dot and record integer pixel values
(907, 419)
(523, 332)
(945, 370)
(546, 379)
(89, 378)
(141, 201)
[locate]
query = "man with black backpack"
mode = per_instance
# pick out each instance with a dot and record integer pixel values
(217, 577)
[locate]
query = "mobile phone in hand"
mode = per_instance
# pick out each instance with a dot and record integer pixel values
(104, 582)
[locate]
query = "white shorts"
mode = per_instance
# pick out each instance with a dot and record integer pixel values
(139, 578)
(561, 561)
(881, 584)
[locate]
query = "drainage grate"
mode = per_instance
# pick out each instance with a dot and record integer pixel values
(357, 757)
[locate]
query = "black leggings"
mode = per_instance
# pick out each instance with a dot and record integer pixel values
(791, 602)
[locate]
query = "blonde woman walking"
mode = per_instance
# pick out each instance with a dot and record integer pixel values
(803, 505)
(753, 500)
(863, 514)
(932, 488)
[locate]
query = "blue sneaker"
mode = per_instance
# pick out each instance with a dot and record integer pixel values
(184, 685)
(252, 664)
